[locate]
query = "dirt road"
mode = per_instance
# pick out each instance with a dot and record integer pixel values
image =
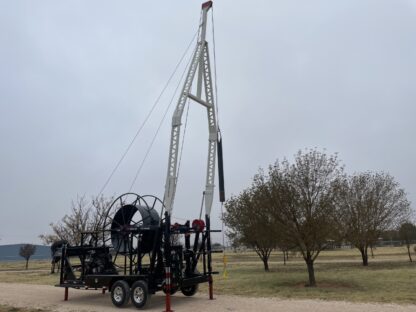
(48, 297)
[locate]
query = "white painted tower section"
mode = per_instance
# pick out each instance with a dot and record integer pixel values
(200, 63)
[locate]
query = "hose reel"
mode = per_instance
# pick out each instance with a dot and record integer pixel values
(131, 213)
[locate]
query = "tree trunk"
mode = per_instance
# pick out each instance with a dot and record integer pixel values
(372, 253)
(284, 257)
(311, 271)
(27, 263)
(266, 263)
(408, 252)
(264, 254)
(364, 255)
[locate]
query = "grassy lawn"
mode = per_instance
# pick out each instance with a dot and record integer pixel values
(380, 282)
(20, 265)
(390, 277)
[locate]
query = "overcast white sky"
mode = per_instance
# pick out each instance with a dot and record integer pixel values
(78, 77)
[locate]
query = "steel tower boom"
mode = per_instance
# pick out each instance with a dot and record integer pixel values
(200, 63)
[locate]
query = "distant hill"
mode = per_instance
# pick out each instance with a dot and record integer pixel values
(11, 252)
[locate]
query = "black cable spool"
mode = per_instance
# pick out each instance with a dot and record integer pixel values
(135, 221)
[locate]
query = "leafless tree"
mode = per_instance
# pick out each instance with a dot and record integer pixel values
(26, 251)
(83, 217)
(303, 202)
(370, 203)
(407, 233)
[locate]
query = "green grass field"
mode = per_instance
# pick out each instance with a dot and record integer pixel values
(390, 277)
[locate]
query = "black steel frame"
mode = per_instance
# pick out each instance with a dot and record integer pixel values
(182, 262)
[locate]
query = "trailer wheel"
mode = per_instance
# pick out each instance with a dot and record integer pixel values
(140, 294)
(120, 293)
(190, 290)
(173, 289)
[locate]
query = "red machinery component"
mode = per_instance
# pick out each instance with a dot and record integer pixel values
(198, 225)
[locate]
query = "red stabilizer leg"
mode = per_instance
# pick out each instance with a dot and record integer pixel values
(211, 290)
(168, 308)
(66, 294)
(167, 286)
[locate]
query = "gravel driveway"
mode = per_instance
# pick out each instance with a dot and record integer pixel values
(49, 297)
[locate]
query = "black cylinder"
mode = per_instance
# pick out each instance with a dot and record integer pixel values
(220, 170)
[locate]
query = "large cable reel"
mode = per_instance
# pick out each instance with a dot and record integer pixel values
(130, 218)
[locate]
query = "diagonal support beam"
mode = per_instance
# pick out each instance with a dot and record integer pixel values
(197, 99)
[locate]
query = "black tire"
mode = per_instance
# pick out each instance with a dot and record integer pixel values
(140, 294)
(190, 290)
(173, 289)
(120, 293)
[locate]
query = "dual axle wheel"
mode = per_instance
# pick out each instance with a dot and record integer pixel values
(121, 293)
(139, 293)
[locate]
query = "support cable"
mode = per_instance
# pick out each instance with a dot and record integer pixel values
(183, 141)
(225, 273)
(202, 204)
(177, 171)
(215, 67)
(160, 125)
(148, 115)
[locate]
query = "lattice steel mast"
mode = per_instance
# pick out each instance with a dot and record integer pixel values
(200, 64)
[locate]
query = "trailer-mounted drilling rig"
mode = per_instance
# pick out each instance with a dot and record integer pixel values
(133, 254)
